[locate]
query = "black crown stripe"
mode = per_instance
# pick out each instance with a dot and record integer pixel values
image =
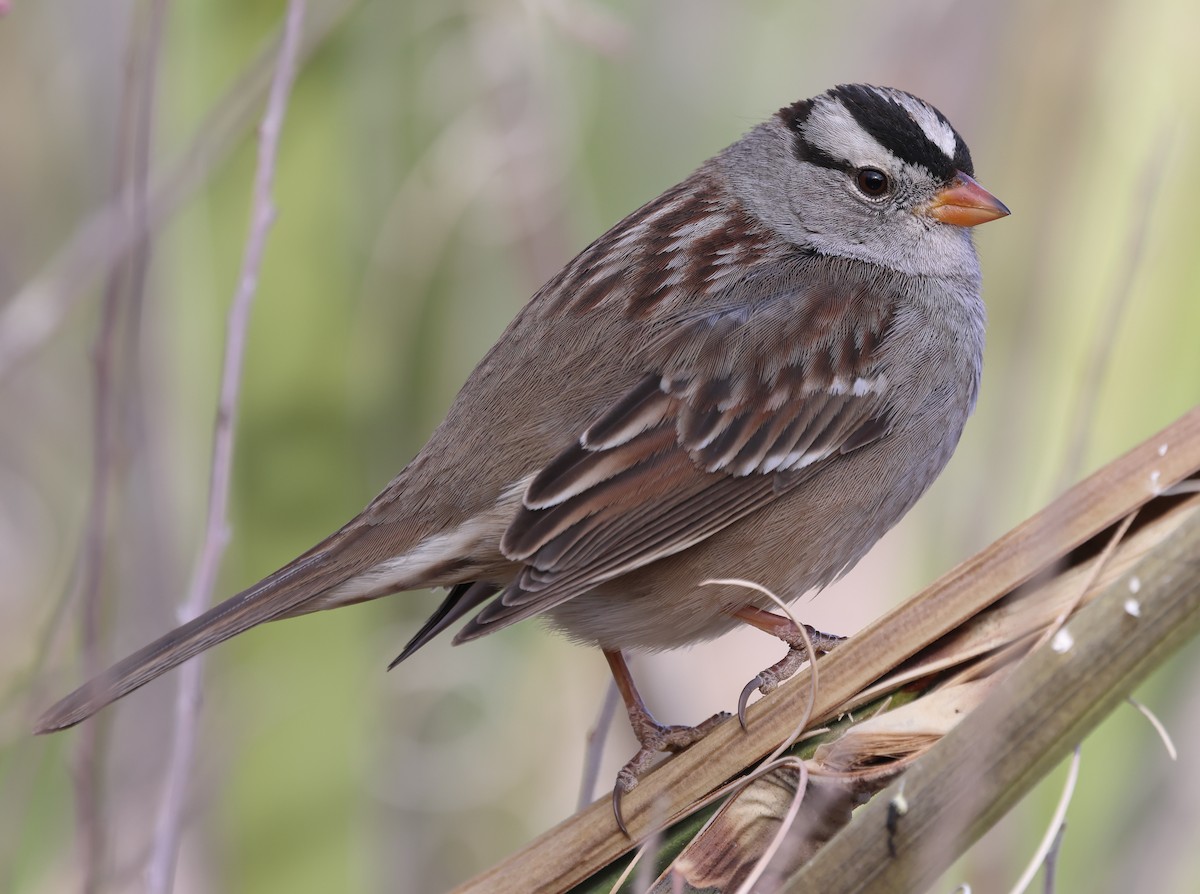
(886, 121)
(889, 123)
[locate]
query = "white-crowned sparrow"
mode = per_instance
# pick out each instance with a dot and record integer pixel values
(755, 375)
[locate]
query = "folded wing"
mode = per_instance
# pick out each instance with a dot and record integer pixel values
(738, 405)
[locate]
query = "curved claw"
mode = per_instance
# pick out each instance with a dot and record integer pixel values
(627, 781)
(744, 700)
(797, 655)
(616, 808)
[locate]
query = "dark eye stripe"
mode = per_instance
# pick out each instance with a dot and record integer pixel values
(794, 117)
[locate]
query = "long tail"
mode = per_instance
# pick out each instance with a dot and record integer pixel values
(273, 597)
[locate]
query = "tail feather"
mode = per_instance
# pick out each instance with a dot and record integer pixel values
(267, 600)
(460, 600)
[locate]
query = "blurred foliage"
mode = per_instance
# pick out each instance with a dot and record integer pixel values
(439, 161)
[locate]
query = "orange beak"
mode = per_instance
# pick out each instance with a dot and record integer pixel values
(964, 203)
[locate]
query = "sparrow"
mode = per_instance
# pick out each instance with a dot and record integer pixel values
(754, 375)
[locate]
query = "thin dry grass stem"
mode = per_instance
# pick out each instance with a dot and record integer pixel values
(1157, 724)
(1117, 536)
(415, 252)
(648, 846)
(808, 647)
(785, 826)
(1183, 487)
(729, 793)
(160, 870)
(883, 707)
(895, 681)
(628, 871)
(34, 314)
(1054, 830)
(645, 872)
(1146, 194)
(975, 653)
(593, 752)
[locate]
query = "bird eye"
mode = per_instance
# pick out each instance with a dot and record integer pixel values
(873, 182)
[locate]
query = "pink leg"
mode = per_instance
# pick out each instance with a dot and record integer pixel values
(653, 736)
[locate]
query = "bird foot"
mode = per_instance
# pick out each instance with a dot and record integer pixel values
(655, 738)
(797, 655)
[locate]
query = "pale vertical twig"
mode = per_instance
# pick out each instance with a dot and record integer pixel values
(35, 312)
(107, 236)
(122, 290)
(593, 751)
(1050, 877)
(1050, 840)
(160, 870)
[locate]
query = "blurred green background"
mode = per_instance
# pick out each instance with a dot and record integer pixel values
(438, 162)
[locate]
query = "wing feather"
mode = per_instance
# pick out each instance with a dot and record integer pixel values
(737, 406)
